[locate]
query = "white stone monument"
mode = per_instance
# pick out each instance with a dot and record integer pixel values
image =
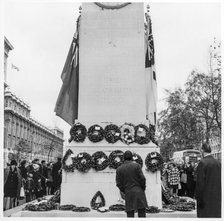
(111, 90)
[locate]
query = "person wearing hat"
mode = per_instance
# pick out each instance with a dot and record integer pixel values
(173, 179)
(12, 184)
(208, 185)
(131, 182)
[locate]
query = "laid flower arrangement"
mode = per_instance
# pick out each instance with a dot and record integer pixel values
(142, 134)
(99, 161)
(78, 133)
(83, 162)
(95, 133)
(127, 133)
(116, 159)
(81, 209)
(137, 158)
(97, 204)
(117, 207)
(70, 167)
(154, 161)
(112, 133)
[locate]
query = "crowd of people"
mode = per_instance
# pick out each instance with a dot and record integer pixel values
(31, 180)
(180, 178)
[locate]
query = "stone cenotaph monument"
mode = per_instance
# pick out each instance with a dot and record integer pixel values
(113, 88)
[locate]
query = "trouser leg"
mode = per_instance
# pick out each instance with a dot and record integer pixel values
(131, 213)
(141, 213)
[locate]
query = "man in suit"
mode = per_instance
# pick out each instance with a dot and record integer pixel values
(131, 181)
(208, 185)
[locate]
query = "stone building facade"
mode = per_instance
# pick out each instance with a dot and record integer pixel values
(24, 137)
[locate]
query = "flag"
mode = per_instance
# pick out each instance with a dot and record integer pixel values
(67, 103)
(150, 74)
(14, 67)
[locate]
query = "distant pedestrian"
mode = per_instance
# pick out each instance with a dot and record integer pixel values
(12, 184)
(208, 185)
(131, 182)
(56, 175)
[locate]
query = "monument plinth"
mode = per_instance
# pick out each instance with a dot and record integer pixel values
(112, 89)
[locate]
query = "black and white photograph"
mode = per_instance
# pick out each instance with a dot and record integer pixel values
(111, 109)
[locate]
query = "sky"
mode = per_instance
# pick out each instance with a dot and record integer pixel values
(41, 33)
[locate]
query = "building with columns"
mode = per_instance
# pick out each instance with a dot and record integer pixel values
(24, 137)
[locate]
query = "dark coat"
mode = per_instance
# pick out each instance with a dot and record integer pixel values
(6, 174)
(56, 174)
(131, 181)
(190, 177)
(208, 188)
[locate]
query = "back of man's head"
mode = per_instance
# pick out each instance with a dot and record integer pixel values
(206, 148)
(127, 155)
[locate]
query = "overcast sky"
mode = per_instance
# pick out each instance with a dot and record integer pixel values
(41, 33)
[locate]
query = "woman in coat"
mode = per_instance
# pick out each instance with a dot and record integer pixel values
(131, 181)
(12, 184)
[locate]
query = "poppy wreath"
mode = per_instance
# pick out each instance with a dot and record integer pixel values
(152, 133)
(99, 161)
(137, 158)
(154, 161)
(112, 133)
(83, 162)
(95, 133)
(116, 159)
(117, 207)
(142, 134)
(127, 133)
(94, 204)
(81, 209)
(65, 167)
(78, 133)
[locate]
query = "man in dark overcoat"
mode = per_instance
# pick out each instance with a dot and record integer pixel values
(208, 185)
(131, 181)
(56, 175)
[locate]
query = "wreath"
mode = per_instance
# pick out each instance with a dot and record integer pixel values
(127, 133)
(142, 134)
(81, 209)
(103, 6)
(137, 158)
(95, 205)
(67, 207)
(95, 133)
(83, 162)
(65, 167)
(112, 133)
(152, 130)
(117, 207)
(78, 133)
(116, 159)
(154, 161)
(99, 161)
